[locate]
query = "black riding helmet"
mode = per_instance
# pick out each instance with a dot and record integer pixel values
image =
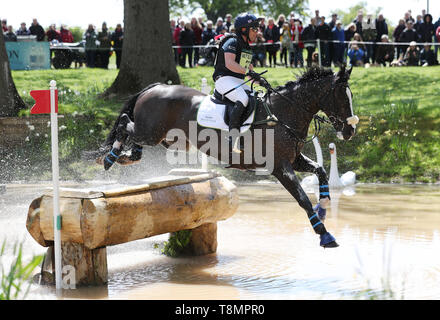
(246, 20)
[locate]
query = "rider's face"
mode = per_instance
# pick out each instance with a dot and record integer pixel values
(253, 33)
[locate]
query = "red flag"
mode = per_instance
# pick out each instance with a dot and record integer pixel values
(42, 101)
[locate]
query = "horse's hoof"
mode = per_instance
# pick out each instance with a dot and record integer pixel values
(328, 241)
(125, 160)
(320, 211)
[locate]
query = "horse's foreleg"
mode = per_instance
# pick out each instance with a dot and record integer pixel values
(304, 164)
(285, 174)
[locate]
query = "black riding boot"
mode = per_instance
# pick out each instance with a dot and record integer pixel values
(235, 123)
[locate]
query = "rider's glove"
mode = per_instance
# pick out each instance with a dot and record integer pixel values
(255, 76)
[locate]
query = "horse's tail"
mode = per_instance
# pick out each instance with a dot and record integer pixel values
(126, 109)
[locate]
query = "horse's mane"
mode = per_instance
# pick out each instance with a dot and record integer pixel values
(309, 75)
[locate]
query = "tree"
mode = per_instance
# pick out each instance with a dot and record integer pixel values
(219, 8)
(147, 55)
(10, 101)
(348, 16)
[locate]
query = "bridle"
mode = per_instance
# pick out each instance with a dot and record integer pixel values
(272, 120)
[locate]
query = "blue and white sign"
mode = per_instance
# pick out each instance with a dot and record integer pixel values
(28, 55)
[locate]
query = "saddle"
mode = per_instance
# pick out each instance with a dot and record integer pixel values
(218, 98)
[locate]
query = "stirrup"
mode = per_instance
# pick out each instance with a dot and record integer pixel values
(235, 148)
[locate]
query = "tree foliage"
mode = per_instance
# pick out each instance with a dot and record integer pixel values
(219, 8)
(348, 16)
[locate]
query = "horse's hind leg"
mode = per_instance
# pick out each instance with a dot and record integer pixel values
(285, 174)
(304, 164)
(125, 128)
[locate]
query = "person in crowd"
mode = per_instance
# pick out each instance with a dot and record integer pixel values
(286, 43)
(272, 36)
(23, 31)
(281, 21)
(117, 39)
(176, 37)
(317, 18)
(90, 46)
(408, 35)
(324, 34)
(407, 17)
(437, 37)
(332, 25)
(359, 42)
(262, 24)
(369, 34)
(53, 33)
(412, 55)
(201, 22)
(338, 47)
(9, 35)
(426, 29)
(384, 53)
(418, 23)
(259, 51)
(197, 29)
(356, 55)
(37, 30)
(298, 45)
(359, 22)
(349, 33)
(173, 40)
(228, 22)
(427, 56)
(381, 29)
(104, 38)
(219, 25)
(187, 40)
(65, 34)
(309, 39)
(396, 36)
(4, 25)
(208, 33)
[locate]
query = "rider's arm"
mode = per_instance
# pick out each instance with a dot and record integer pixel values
(232, 65)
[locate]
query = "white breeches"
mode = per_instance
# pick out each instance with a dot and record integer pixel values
(226, 83)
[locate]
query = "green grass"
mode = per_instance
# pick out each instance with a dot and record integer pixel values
(397, 139)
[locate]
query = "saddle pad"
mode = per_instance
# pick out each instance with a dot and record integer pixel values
(211, 115)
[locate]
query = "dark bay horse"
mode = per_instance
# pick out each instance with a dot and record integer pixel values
(147, 117)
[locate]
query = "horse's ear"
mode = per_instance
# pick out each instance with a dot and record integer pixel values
(342, 76)
(349, 72)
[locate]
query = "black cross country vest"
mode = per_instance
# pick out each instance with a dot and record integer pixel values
(243, 57)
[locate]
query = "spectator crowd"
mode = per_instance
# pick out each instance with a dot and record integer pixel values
(365, 41)
(98, 45)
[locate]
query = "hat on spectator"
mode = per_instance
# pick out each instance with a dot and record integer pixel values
(412, 44)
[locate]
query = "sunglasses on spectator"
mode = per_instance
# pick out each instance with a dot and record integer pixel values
(254, 29)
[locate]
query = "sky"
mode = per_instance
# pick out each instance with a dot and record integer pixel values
(82, 12)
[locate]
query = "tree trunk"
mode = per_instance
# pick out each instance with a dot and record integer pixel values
(10, 101)
(147, 55)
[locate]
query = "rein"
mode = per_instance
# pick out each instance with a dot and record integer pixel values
(272, 120)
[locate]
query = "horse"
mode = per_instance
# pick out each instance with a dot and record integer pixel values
(147, 116)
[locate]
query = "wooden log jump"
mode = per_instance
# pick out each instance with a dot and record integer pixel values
(95, 219)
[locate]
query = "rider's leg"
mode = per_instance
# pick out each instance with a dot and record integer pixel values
(241, 99)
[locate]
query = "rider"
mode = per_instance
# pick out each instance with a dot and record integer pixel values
(232, 63)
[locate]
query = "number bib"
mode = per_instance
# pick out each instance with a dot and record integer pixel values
(245, 59)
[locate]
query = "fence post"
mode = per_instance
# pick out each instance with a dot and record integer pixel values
(319, 51)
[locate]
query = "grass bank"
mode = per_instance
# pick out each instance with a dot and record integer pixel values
(397, 140)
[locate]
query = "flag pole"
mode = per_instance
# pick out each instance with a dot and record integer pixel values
(55, 179)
